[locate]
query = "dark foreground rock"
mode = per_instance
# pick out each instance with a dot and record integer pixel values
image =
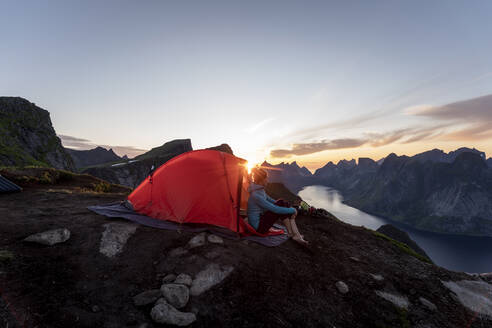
(73, 285)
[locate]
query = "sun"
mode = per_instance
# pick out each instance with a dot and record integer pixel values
(250, 165)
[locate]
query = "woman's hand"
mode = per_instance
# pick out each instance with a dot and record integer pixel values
(294, 215)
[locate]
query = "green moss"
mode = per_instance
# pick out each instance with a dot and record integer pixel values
(403, 247)
(102, 187)
(6, 256)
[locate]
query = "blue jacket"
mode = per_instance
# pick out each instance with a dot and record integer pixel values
(259, 202)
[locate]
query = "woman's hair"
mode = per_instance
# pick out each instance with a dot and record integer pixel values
(259, 174)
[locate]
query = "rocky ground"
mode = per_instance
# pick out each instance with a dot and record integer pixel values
(351, 277)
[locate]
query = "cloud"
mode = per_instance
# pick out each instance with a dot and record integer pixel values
(372, 139)
(471, 110)
(74, 142)
(258, 125)
(472, 118)
(311, 148)
(85, 144)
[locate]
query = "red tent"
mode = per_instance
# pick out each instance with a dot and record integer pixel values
(201, 186)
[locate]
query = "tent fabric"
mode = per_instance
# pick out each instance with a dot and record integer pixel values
(119, 210)
(8, 186)
(200, 187)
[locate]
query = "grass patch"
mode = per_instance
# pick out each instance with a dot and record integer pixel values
(6, 256)
(102, 187)
(402, 246)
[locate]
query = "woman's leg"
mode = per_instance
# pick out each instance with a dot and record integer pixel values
(287, 224)
(296, 234)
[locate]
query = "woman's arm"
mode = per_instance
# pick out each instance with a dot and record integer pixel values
(270, 199)
(269, 206)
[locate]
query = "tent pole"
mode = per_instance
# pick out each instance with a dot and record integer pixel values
(239, 190)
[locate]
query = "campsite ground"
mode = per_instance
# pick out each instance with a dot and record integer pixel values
(73, 284)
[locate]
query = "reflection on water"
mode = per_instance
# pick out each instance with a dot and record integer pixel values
(460, 253)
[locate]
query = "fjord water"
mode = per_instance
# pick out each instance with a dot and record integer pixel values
(454, 252)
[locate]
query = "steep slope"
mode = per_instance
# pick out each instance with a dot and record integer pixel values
(96, 156)
(27, 136)
(352, 277)
(397, 234)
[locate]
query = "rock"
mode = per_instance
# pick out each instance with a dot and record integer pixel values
(175, 294)
(428, 304)
(165, 313)
(355, 259)
(377, 277)
(213, 254)
(114, 237)
(169, 278)
(147, 297)
(342, 287)
(50, 237)
(214, 239)
(474, 295)
(197, 241)
(177, 252)
(95, 308)
(211, 276)
(398, 300)
(183, 279)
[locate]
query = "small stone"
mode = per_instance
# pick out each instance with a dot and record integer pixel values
(169, 278)
(377, 277)
(50, 237)
(147, 297)
(176, 295)
(355, 259)
(342, 287)
(398, 300)
(211, 276)
(428, 304)
(197, 241)
(165, 313)
(214, 239)
(114, 237)
(177, 252)
(95, 308)
(183, 279)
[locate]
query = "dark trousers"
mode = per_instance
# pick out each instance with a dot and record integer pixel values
(268, 218)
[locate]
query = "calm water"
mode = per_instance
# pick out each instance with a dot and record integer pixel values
(459, 253)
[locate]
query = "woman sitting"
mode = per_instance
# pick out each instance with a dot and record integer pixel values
(264, 211)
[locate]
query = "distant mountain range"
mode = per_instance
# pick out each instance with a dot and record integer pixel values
(96, 156)
(436, 191)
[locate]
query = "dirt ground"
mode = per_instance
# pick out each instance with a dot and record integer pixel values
(73, 284)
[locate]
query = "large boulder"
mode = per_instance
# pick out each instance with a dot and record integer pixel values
(50, 237)
(177, 295)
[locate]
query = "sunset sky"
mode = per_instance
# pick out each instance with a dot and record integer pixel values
(311, 81)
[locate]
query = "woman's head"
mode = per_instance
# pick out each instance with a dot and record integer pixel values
(259, 176)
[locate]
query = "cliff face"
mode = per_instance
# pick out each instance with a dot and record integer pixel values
(27, 136)
(444, 197)
(96, 156)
